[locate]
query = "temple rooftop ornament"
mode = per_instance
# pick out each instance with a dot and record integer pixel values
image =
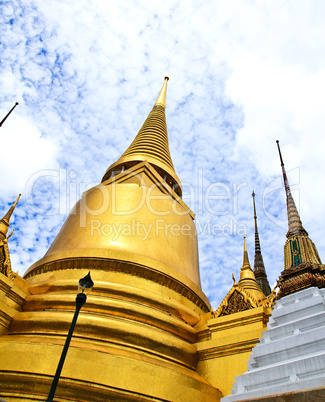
(151, 145)
(4, 222)
(302, 265)
(259, 268)
(245, 294)
(247, 279)
(5, 262)
(7, 115)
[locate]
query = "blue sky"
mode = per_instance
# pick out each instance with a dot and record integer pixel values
(242, 75)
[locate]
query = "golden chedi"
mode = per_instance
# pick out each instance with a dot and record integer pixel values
(135, 336)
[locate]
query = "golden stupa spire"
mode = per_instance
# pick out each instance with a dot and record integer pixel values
(247, 278)
(245, 294)
(151, 145)
(4, 222)
(161, 100)
(245, 258)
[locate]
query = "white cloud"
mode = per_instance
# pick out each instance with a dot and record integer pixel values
(25, 152)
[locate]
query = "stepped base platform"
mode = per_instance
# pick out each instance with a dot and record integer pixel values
(290, 357)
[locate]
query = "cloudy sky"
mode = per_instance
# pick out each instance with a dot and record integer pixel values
(242, 75)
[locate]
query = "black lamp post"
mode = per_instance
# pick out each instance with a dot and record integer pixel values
(85, 285)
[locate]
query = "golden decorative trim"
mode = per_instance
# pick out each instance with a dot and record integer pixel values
(5, 287)
(5, 263)
(301, 277)
(235, 303)
(256, 318)
(5, 319)
(125, 267)
(204, 335)
(16, 298)
(236, 300)
(67, 387)
(156, 179)
(227, 350)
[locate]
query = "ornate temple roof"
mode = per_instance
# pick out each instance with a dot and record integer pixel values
(243, 295)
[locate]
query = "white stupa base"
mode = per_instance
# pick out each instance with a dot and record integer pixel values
(291, 354)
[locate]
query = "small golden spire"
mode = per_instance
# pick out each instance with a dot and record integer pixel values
(161, 100)
(247, 278)
(234, 279)
(11, 210)
(4, 222)
(245, 259)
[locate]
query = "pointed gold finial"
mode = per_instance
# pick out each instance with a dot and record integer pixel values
(245, 259)
(4, 222)
(234, 279)
(161, 100)
(11, 210)
(151, 145)
(247, 278)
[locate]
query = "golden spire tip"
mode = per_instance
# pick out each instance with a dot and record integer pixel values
(4, 222)
(245, 259)
(11, 210)
(161, 100)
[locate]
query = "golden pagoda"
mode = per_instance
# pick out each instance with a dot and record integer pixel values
(147, 331)
(135, 339)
